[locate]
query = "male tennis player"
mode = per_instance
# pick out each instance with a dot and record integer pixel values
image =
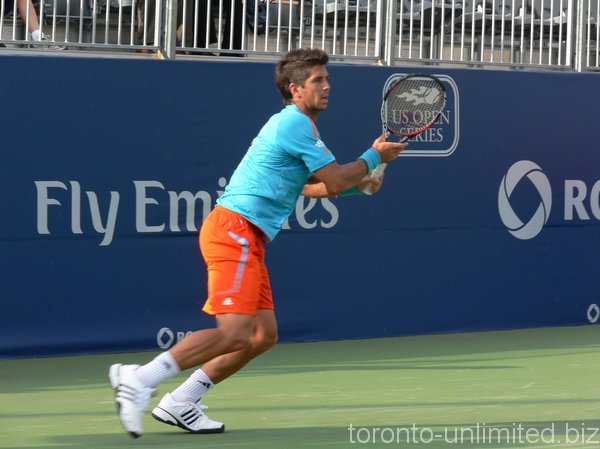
(286, 159)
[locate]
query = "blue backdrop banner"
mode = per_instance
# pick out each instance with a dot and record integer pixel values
(491, 220)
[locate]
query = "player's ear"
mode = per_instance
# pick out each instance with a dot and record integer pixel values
(294, 89)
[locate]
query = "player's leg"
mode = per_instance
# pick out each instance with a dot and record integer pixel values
(135, 385)
(182, 407)
(263, 338)
(233, 333)
(228, 244)
(234, 254)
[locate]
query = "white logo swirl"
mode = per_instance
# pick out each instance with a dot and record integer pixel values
(515, 174)
(165, 338)
(593, 313)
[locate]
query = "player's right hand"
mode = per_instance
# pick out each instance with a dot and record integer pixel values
(388, 151)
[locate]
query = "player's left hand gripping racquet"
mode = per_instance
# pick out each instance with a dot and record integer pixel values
(410, 106)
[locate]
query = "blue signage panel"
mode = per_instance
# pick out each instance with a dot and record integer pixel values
(108, 168)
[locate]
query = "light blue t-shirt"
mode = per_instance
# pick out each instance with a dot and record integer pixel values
(267, 182)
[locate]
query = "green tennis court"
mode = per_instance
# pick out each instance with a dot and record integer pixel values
(523, 388)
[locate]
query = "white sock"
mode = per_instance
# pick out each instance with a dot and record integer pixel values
(158, 370)
(36, 35)
(194, 388)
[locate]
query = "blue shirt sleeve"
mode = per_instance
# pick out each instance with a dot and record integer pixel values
(299, 137)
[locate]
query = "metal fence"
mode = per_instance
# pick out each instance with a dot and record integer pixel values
(549, 34)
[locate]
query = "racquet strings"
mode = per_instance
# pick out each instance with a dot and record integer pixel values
(413, 105)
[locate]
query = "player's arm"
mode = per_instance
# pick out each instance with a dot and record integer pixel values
(314, 188)
(317, 189)
(333, 178)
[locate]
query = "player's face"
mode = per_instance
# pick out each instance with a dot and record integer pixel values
(313, 96)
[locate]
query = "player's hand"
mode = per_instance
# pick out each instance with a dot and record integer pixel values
(388, 151)
(374, 183)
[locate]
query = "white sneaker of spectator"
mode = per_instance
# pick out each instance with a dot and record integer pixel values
(45, 42)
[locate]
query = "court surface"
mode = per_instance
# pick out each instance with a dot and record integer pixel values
(536, 388)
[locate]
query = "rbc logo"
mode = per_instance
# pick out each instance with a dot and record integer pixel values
(593, 313)
(165, 338)
(580, 202)
(516, 174)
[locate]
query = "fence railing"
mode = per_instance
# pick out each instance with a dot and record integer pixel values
(549, 34)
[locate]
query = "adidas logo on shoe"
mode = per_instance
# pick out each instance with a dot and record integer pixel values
(186, 415)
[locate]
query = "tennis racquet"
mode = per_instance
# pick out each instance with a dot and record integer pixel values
(411, 105)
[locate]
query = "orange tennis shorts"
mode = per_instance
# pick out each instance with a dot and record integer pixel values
(233, 249)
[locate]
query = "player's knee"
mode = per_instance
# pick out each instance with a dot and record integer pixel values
(271, 340)
(266, 341)
(236, 331)
(235, 339)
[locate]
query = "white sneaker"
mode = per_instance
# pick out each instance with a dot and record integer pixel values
(187, 415)
(46, 42)
(131, 397)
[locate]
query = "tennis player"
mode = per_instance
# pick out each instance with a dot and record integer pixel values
(286, 159)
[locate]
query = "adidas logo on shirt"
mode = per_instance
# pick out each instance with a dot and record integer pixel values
(321, 144)
(227, 302)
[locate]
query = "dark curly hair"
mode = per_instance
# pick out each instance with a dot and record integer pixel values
(294, 66)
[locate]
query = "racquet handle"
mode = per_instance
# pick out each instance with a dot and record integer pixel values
(377, 172)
